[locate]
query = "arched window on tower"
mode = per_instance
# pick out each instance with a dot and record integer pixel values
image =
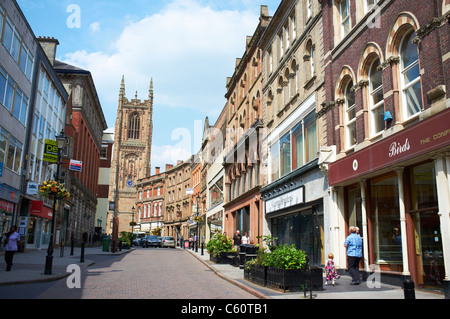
(134, 125)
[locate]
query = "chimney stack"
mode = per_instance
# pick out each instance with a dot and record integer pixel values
(157, 169)
(49, 46)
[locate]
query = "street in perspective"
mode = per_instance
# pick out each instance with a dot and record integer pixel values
(221, 158)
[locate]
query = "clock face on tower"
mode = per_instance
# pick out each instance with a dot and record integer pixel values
(130, 183)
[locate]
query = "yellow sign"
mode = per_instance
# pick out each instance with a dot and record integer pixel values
(50, 151)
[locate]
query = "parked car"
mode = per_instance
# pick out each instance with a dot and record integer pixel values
(168, 242)
(151, 241)
(137, 242)
(139, 238)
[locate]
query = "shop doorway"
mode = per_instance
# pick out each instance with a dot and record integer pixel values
(242, 218)
(429, 255)
(354, 209)
(427, 232)
(38, 233)
(305, 230)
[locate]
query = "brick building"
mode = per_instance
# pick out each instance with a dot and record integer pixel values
(387, 65)
(103, 181)
(242, 205)
(295, 199)
(149, 206)
(177, 201)
(87, 125)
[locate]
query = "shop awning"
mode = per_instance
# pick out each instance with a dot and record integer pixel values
(37, 208)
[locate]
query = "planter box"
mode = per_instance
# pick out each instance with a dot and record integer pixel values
(223, 257)
(258, 275)
(285, 279)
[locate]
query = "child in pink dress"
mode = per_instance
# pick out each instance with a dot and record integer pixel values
(330, 270)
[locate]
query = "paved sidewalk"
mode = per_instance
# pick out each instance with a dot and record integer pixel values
(342, 289)
(29, 266)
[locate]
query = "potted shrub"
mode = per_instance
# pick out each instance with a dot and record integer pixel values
(286, 266)
(282, 267)
(220, 247)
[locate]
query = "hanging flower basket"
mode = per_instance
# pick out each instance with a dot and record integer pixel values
(51, 189)
(198, 219)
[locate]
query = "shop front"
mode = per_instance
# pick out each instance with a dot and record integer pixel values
(39, 225)
(244, 213)
(294, 210)
(214, 223)
(9, 198)
(397, 192)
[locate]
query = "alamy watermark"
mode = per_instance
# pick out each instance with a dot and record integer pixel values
(74, 19)
(74, 279)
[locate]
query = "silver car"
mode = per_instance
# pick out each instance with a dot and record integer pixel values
(168, 241)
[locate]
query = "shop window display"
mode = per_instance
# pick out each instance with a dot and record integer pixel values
(386, 221)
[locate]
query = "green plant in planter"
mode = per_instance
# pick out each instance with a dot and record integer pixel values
(219, 243)
(269, 241)
(287, 257)
(282, 257)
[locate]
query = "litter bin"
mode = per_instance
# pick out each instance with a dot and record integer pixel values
(106, 243)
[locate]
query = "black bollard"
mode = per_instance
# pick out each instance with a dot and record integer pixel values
(72, 245)
(203, 246)
(61, 252)
(82, 253)
(408, 289)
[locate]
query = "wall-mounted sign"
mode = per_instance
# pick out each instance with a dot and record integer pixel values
(294, 197)
(32, 188)
(50, 151)
(37, 208)
(75, 165)
(422, 138)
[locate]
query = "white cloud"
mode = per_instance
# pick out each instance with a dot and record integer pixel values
(94, 26)
(167, 154)
(188, 49)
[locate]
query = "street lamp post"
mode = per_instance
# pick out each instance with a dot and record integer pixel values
(61, 141)
(198, 220)
(132, 218)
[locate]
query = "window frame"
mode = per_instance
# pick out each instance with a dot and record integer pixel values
(372, 105)
(277, 169)
(346, 19)
(347, 109)
(404, 87)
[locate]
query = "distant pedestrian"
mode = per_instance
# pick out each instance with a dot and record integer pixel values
(237, 240)
(245, 240)
(330, 270)
(12, 245)
(353, 243)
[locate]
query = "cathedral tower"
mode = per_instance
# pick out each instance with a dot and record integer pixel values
(131, 156)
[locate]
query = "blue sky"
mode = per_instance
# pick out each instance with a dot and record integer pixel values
(188, 47)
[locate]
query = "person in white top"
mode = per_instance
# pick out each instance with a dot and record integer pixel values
(12, 244)
(245, 240)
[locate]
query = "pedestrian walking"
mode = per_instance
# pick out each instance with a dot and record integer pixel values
(330, 270)
(237, 240)
(353, 243)
(12, 245)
